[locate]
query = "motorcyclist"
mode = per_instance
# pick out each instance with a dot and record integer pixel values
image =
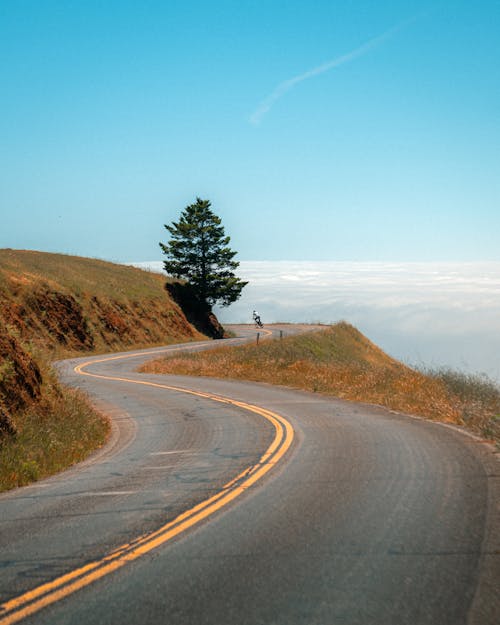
(256, 318)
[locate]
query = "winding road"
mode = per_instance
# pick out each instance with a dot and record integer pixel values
(231, 503)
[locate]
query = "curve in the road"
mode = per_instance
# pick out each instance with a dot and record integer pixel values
(378, 518)
(30, 602)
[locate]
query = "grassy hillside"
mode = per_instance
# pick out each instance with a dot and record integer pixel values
(51, 306)
(341, 361)
(66, 303)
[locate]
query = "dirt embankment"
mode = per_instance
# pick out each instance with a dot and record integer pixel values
(53, 319)
(53, 306)
(20, 382)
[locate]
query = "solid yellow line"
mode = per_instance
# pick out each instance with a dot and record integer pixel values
(46, 594)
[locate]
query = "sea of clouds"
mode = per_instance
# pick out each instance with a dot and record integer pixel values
(425, 314)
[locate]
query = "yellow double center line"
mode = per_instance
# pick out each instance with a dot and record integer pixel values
(46, 594)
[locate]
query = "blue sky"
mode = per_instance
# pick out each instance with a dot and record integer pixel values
(320, 130)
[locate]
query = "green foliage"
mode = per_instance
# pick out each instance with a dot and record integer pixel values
(199, 253)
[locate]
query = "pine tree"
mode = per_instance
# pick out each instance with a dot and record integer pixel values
(199, 253)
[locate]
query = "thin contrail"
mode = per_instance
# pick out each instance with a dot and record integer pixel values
(266, 104)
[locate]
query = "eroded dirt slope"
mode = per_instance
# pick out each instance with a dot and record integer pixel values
(53, 305)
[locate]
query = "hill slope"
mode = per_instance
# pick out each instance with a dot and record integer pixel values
(51, 306)
(341, 361)
(66, 303)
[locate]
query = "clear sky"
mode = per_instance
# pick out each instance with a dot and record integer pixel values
(319, 129)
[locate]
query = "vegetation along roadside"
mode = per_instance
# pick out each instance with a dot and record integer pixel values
(54, 306)
(340, 361)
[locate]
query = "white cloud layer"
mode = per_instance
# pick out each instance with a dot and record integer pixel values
(431, 314)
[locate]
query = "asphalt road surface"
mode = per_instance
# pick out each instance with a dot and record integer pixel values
(245, 503)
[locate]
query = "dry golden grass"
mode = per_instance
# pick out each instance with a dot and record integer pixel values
(67, 303)
(340, 361)
(80, 275)
(54, 306)
(55, 431)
